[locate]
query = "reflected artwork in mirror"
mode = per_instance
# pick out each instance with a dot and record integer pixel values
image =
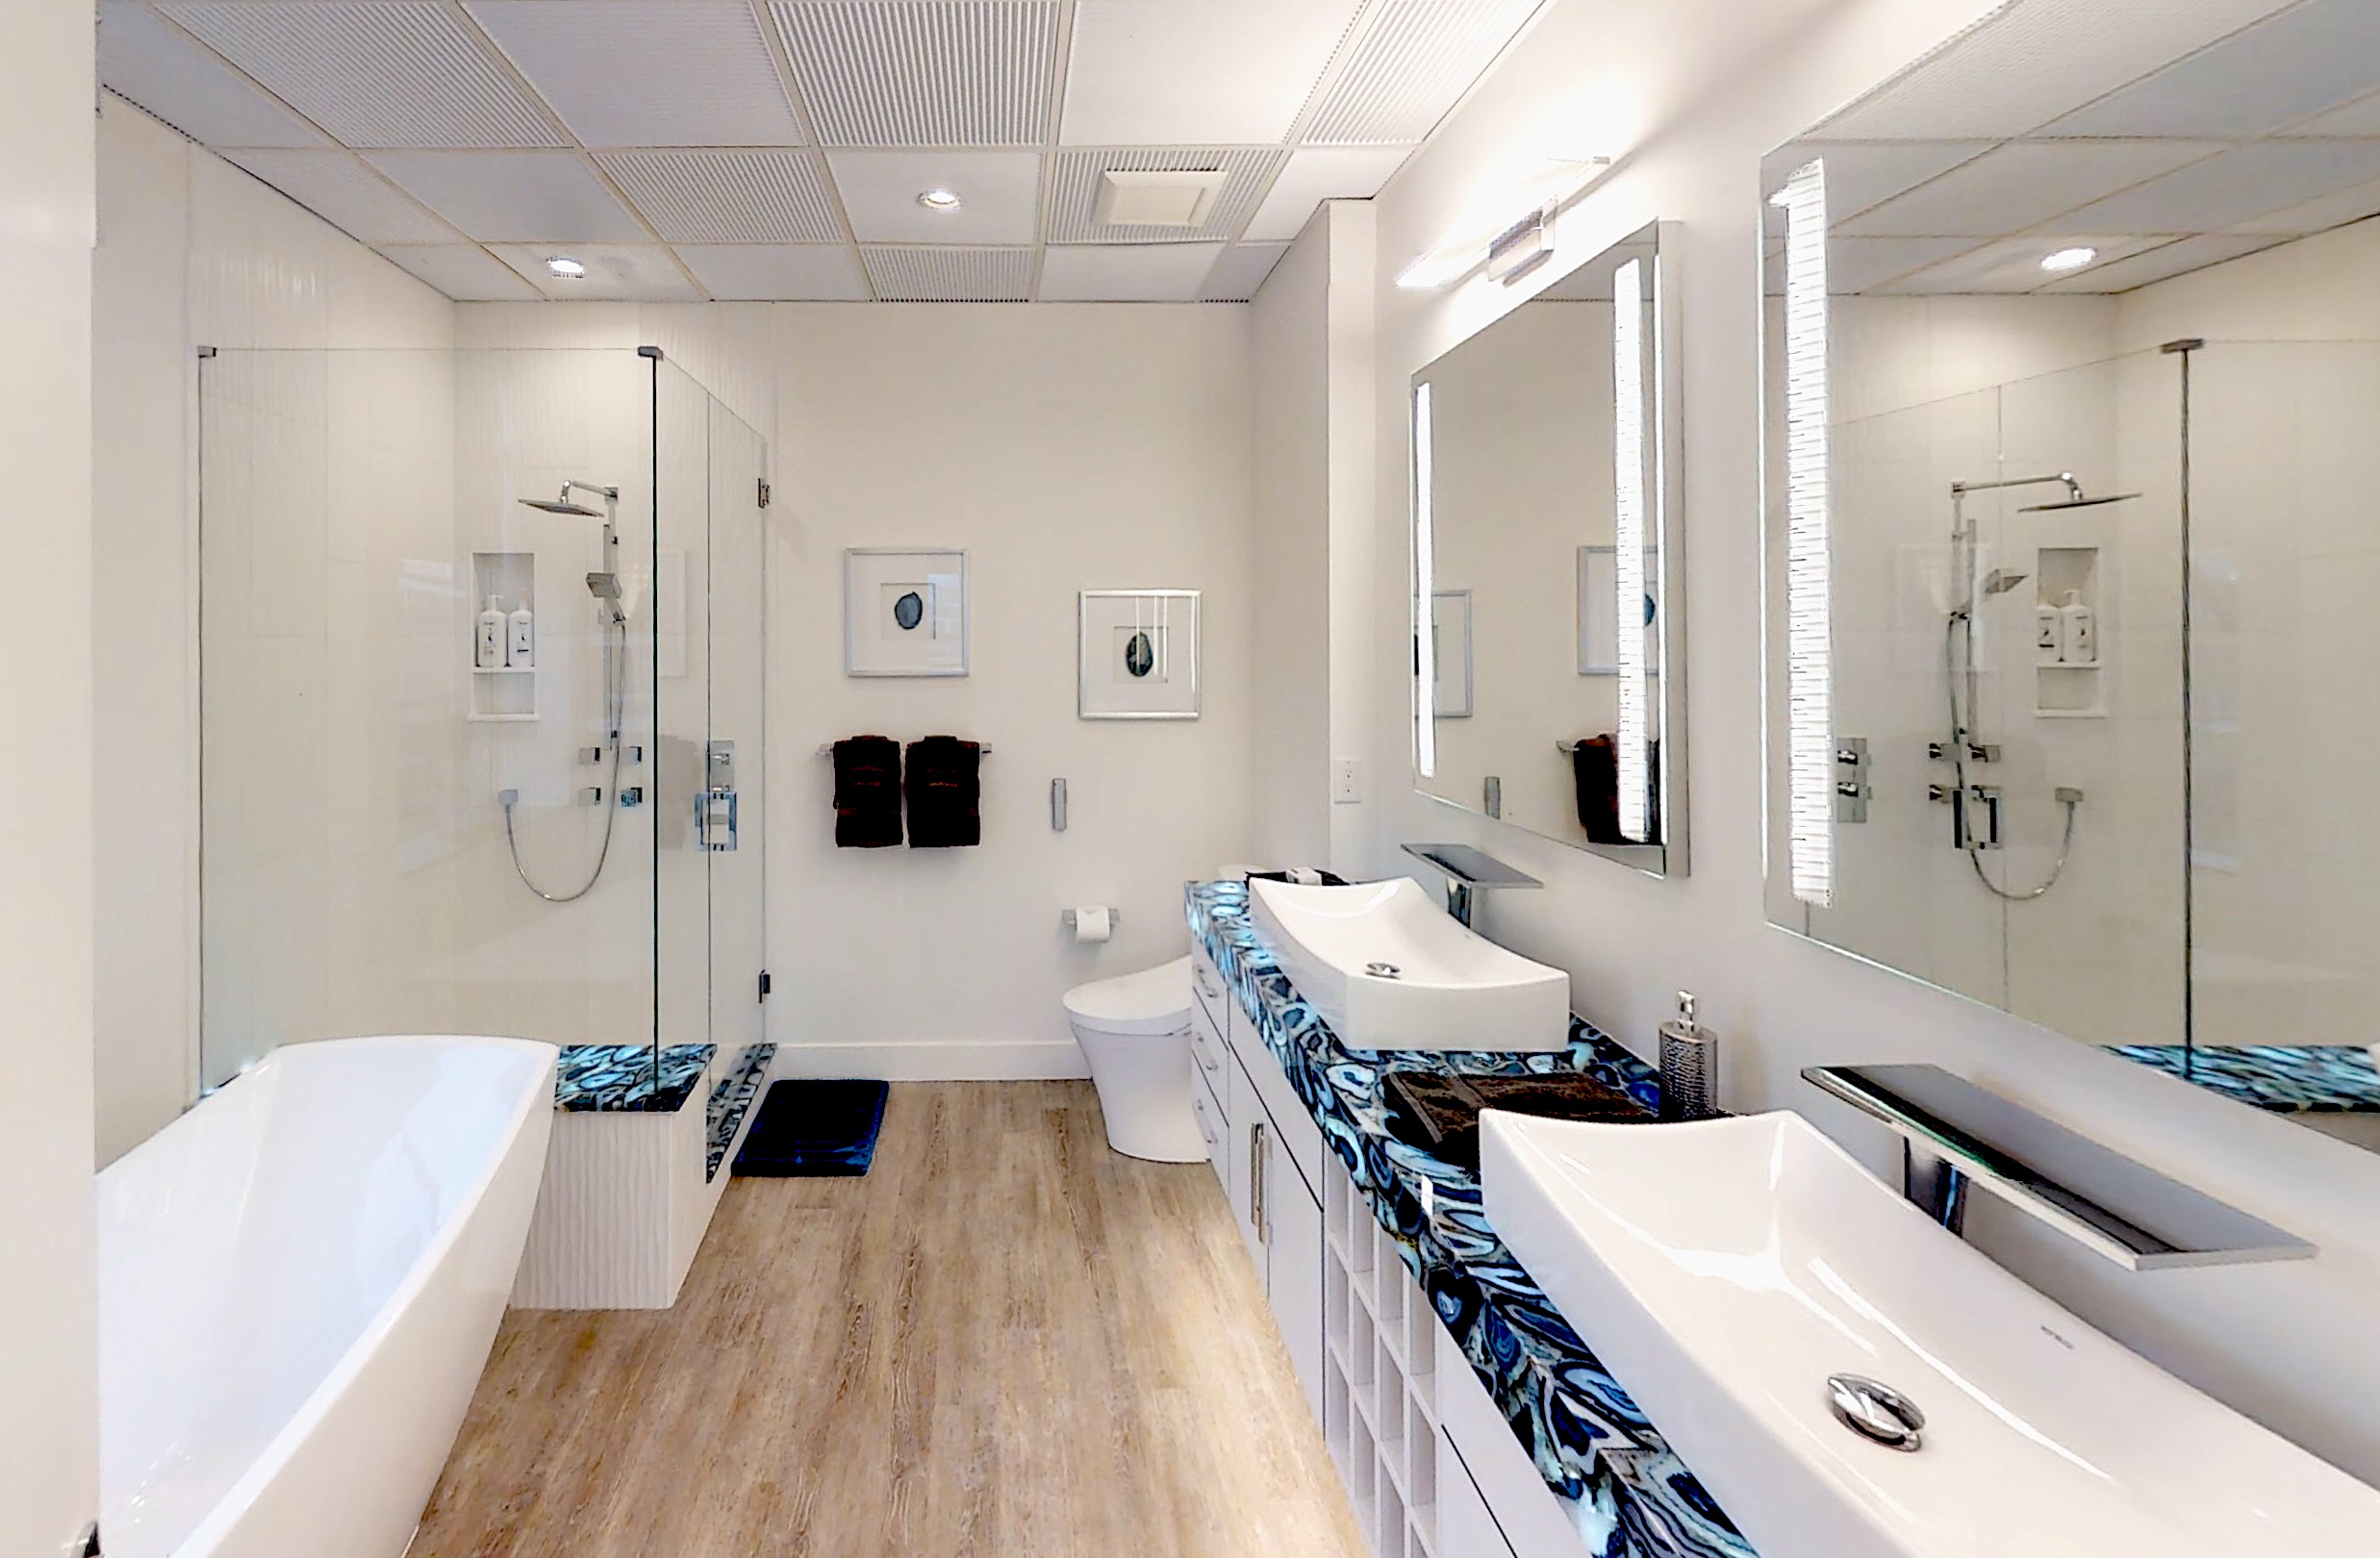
(1548, 672)
(2070, 377)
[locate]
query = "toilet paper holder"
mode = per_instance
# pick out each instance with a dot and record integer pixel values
(1066, 918)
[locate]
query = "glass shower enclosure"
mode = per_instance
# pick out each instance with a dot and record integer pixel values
(481, 687)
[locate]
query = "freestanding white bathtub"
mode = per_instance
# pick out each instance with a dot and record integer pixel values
(299, 1282)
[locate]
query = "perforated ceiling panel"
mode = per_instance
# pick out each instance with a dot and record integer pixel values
(918, 73)
(1411, 65)
(948, 275)
(148, 61)
(633, 73)
(1075, 186)
(374, 72)
(728, 197)
(336, 186)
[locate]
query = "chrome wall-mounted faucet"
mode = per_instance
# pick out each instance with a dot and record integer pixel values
(1468, 869)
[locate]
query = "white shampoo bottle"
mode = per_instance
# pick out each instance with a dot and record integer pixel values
(520, 636)
(2078, 632)
(492, 636)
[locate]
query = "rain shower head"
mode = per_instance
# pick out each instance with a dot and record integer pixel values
(2078, 501)
(563, 504)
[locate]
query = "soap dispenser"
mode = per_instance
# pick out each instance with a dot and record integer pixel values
(2078, 632)
(520, 636)
(1689, 1066)
(491, 655)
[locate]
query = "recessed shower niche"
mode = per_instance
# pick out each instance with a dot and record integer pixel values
(504, 684)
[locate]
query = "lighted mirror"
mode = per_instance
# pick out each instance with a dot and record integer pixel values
(2072, 367)
(1549, 671)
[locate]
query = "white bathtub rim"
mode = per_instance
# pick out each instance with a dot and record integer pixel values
(242, 1494)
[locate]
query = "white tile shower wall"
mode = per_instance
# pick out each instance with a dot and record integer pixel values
(192, 252)
(49, 1436)
(1692, 96)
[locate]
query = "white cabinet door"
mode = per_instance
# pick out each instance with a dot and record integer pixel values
(1465, 1527)
(1293, 1220)
(1245, 1142)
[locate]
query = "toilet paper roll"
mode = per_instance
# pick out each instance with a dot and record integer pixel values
(1093, 923)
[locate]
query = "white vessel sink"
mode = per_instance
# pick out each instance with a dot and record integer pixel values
(1389, 970)
(1724, 1270)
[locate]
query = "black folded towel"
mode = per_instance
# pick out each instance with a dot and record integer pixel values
(944, 783)
(1595, 772)
(867, 793)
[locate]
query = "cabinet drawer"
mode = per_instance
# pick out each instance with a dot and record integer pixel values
(1206, 984)
(1208, 1057)
(1300, 1135)
(1212, 1129)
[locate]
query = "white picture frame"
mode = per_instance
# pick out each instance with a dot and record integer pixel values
(905, 612)
(1599, 592)
(1450, 619)
(1137, 653)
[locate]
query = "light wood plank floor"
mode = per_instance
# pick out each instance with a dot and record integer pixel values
(1005, 1340)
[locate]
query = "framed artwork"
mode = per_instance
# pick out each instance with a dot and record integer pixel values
(1599, 610)
(904, 613)
(1139, 655)
(1450, 649)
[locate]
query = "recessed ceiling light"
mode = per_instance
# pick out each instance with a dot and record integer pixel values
(568, 269)
(2070, 259)
(939, 200)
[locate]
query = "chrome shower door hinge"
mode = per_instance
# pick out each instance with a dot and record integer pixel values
(763, 491)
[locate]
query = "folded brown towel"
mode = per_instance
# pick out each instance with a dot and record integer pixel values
(944, 783)
(867, 793)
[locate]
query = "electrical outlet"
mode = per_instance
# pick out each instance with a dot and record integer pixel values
(1346, 782)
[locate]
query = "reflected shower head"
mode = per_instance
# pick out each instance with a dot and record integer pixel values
(2078, 501)
(2001, 581)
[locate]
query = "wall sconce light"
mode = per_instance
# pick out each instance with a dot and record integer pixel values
(1491, 225)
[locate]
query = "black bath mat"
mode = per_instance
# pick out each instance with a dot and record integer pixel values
(813, 1129)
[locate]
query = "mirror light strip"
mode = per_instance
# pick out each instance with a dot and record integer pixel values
(1425, 592)
(1633, 780)
(1809, 606)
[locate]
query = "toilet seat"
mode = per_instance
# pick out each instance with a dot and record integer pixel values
(1152, 1003)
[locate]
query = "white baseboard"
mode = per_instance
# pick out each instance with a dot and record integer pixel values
(955, 1060)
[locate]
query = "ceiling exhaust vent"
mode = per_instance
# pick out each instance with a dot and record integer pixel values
(1159, 198)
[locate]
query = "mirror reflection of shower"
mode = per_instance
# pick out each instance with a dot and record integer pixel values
(612, 614)
(1976, 809)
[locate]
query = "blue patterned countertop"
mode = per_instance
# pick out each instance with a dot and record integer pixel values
(620, 1078)
(1635, 1499)
(2281, 1079)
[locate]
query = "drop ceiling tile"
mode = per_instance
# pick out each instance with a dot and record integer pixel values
(1863, 174)
(336, 186)
(1241, 272)
(2317, 215)
(2020, 185)
(2236, 187)
(2306, 60)
(1196, 72)
(944, 274)
(1126, 272)
(2030, 64)
(1319, 173)
(1411, 65)
(374, 72)
(915, 73)
(2164, 263)
(2013, 264)
(615, 272)
(633, 73)
(154, 63)
(2360, 117)
(762, 197)
(515, 196)
(464, 272)
(776, 273)
(1000, 194)
(1858, 264)
(1076, 178)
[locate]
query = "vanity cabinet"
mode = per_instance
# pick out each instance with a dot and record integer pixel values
(1280, 1220)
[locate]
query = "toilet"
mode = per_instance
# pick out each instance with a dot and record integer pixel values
(1135, 1032)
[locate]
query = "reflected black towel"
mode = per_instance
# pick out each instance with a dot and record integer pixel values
(867, 793)
(943, 783)
(1595, 771)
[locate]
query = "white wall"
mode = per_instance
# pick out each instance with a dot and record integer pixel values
(49, 1437)
(1067, 448)
(1693, 94)
(191, 252)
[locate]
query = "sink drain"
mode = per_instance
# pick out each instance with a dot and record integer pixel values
(1383, 970)
(1876, 1411)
